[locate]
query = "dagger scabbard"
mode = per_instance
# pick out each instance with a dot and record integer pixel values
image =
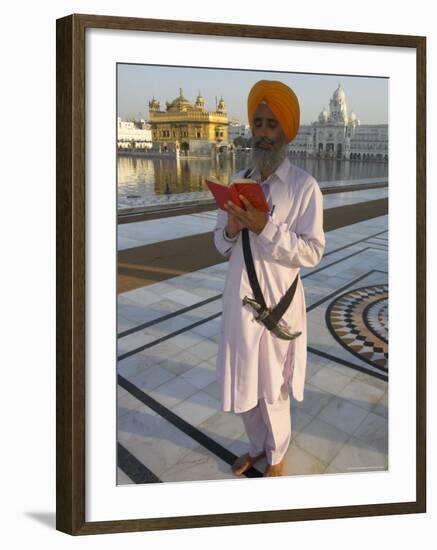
(264, 317)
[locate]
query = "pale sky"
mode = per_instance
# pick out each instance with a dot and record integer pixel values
(365, 95)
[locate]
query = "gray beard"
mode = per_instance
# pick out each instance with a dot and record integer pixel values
(267, 161)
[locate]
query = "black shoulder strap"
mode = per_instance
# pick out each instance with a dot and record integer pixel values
(250, 268)
(248, 260)
(286, 300)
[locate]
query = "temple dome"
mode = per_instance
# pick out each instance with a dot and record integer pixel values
(221, 107)
(339, 94)
(154, 104)
(200, 102)
(180, 103)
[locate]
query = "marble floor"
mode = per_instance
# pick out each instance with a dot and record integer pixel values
(130, 235)
(170, 427)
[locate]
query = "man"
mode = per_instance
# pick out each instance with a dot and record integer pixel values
(255, 367)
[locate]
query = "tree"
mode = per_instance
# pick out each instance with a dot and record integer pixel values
(241, 141)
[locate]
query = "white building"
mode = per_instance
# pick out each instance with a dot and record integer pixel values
(236, 129)
(339, 135)
(133, 134)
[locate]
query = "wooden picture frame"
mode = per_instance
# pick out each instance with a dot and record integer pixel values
(71, 275)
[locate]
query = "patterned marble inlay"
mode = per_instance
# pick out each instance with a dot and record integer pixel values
(376, 317)
(358, 320)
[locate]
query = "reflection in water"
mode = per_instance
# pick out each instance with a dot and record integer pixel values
(335, 170)
(144, 177)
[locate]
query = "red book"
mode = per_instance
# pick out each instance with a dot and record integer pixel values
(250, 189)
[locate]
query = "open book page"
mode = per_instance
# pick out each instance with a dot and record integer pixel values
(243, 186)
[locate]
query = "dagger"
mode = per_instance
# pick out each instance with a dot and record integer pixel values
(265, 318)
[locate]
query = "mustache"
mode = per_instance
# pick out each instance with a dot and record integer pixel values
(263, 140)
(265, 159)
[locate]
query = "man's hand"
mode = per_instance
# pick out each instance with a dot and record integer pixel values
(253, 219)
(234, 225)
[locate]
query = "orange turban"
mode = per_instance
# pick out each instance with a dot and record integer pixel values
(281, 100)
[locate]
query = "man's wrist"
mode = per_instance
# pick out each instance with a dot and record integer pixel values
(268, 231)
(261, 229)
(228, 237)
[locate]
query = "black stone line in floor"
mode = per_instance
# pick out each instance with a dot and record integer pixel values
(337, 291)
(182, 425)
(134, 468)
(137, 328)
(346, 363)
(375, 242)
(378, 248)
(167, 336)
(354, 243)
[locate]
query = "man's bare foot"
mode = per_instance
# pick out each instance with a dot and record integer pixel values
(245, 462)
(274, 470)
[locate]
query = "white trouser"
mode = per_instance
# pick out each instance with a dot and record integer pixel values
(268, 427)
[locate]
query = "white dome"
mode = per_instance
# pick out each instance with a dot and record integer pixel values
(339, 94)
(323, 117)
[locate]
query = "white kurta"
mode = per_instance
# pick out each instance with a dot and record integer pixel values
(252, 362)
